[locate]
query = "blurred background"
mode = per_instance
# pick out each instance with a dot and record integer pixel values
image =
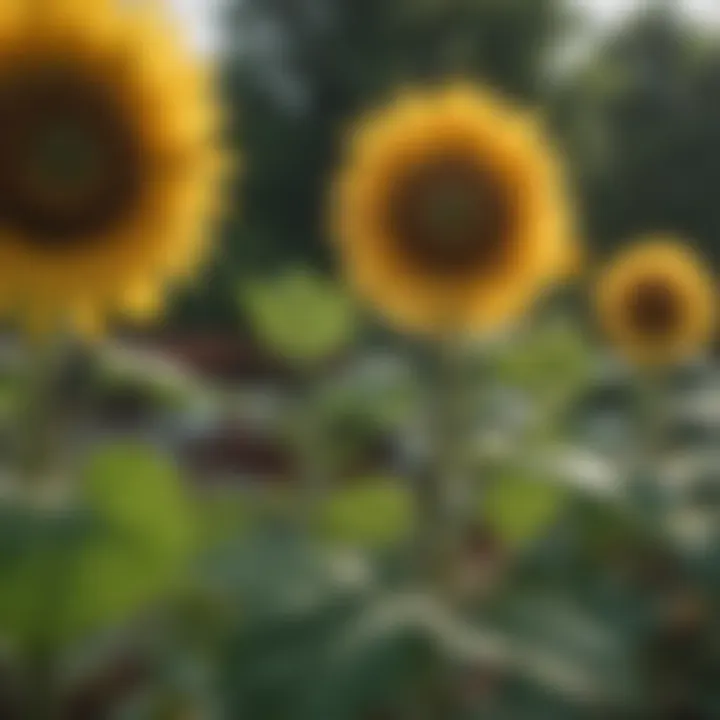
(201, 579)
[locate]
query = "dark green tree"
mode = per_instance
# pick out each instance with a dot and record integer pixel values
(642, 121)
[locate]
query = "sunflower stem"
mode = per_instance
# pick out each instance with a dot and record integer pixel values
(442, 488)
(42, 685)
(311, 451)
(38, 427)
(653, 418)
(40, 455)
(56, 400)
(441, 496)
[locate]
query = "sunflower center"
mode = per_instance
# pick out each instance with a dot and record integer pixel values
(66, 155)
(71, 165)
(655, 310)
(450, 215)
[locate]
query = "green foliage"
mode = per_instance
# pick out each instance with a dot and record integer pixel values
(552, 361)
(126, 544)
(223, 516)
(368, 513)
(143, 382)
(292, 597)
(149, 535)
(136, 490)
(34, 555)
(384, 660)
(390, 652)
(300, 316)
(521, 508)
(374, 392)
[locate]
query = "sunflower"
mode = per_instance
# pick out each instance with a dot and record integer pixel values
(110, 159)
(450, 211)
(656, 302)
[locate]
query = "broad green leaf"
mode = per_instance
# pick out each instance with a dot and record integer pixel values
(519, 509)
(34, 552)
(145, 381)
(122, 547)
(149, 534)
(223, 516)
(551, 359)
(372, 513)
(300, 316)
(381, 661)
(137, 490)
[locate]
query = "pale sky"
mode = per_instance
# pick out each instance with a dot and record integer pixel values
(201, 19)
(201, 15)
(610, 11)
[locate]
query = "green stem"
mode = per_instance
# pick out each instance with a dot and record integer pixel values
(653, 418)
(442, 489)
(44, 434)
(443, 503)
(39, 455)
(41, 689)
(653, 424)
(54, 402)
(311, 451)
(39, 424)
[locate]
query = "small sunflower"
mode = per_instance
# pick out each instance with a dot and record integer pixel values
(110, 159)
(657, 302)
(451, 211)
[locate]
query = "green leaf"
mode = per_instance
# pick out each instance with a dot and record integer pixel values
(382, 659)
(300, 316)
(137, 496)
(224, 516)
(138, 491)
(373, 513)
(34, 551)
(148, 383)
(549, 360)
(519, 509)
(123, 546)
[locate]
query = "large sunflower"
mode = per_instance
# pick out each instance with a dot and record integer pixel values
(109, 158)
(451, 212)
(657, 302)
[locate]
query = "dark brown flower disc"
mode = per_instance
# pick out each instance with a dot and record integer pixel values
(71, 164)
(448, 214)
(655, 308)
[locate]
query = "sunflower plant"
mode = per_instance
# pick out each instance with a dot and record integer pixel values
(452, 217)
(111, 160)
(657, 302)
(110, 179)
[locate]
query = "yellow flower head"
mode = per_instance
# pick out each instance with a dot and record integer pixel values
(657, 303)
(451, 213)
(110, 158)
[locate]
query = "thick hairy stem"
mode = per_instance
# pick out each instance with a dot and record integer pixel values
(442, 487)
(41, 696)
(443, 502)
(56, 398)
(653, 402)
(312, 453)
